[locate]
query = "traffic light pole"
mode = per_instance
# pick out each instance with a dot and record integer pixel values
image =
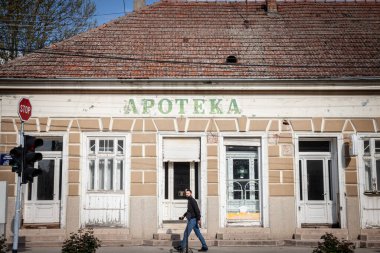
(16, 223)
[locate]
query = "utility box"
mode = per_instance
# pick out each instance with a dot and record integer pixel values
(3, 206)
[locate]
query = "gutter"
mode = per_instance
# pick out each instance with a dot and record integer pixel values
(8, 85)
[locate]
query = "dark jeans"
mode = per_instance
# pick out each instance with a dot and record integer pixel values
(193, 224)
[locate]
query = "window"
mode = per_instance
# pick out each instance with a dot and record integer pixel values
(371, 157)
(106, 159)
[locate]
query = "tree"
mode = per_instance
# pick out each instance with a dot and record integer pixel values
(27, 25)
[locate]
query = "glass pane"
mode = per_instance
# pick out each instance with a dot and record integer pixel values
(120, 146)
(102, 147)
(30, 191)
(166, 180)
(109, 177)
(241, 148)
(330, 180)
(181, 179)
(110, 146)
(241, 175)
(300, 175)
(101, 174)
(91, 175)
(60, 179)
(315, 187)
(196, 179)
(45, 181)
(119, 175)
(92, 147)
(378, 175)
(314, 146)
(377, 146)
(53, 143)
(256, 176)
(367, 148)
(368, 175)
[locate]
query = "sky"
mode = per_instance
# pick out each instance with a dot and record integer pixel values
(107, 10)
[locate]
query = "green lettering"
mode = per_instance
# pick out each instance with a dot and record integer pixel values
(198, 106)
(234, 108)
(215, 109)
(169, 106)
(181, 102)
(130, 106)
(147, 105)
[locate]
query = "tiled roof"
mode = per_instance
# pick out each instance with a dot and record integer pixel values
(180, 39)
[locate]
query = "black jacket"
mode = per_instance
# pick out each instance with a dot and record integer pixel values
(192, 209)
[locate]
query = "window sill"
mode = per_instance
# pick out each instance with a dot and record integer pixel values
(372, 193)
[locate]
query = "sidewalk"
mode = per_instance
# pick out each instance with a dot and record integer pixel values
(149, 249)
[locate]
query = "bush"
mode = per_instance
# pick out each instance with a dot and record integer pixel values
(331, 244)
(82, 242)
(3, 244)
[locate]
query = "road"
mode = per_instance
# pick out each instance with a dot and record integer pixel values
(149, 249)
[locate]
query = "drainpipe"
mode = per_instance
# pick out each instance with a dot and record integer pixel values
(138, 4)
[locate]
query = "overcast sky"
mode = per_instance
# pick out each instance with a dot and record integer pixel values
(107, 10)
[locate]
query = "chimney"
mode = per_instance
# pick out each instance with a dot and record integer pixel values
(138, 4)
(271, 6)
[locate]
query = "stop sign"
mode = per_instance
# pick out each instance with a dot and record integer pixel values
(24, 109)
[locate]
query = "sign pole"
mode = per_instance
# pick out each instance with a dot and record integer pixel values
(16, 223)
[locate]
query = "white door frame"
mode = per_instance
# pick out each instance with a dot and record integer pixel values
(341, 174)
(84, 172)
(263, 166)
(203, 174)
(361, 174)
(64, 176)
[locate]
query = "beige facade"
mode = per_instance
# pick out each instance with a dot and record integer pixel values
(277, 160)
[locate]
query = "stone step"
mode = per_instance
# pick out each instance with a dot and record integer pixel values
(257, 243)
(370, 244)
(301, 243)
(369, 237)
(317, 233)
(178, 236)
(167, 243)
(42, 232)
(242, 233)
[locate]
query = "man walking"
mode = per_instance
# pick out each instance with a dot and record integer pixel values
(193, 216)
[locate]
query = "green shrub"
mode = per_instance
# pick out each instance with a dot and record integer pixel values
(82, 242)
(3, 244)
(331, 244)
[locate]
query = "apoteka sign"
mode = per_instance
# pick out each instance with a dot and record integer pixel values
(181, 106)
(24, 109)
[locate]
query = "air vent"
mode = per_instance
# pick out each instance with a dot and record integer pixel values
(231, 59)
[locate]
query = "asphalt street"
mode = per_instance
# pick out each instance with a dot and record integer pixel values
(149, 249)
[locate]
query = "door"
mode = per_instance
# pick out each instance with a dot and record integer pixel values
(317, 182)
(243, 186)
(316, 190)
(178, 176)
(43, 196)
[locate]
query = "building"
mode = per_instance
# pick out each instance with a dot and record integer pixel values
(269, 111)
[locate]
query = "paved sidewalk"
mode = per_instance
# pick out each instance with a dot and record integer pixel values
(149, 249)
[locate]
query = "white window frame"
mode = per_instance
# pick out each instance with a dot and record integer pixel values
(106, 156)
(372, 157)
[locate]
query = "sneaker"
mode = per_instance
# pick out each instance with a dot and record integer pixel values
(203, 249)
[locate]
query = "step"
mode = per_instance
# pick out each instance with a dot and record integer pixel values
(242, 233)
(370, 244)
(317, 233)
(246, 243)
(167, 243)
(179, 236)
(301, 243)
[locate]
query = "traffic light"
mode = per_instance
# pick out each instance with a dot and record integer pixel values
(16, 162)
(29, 172)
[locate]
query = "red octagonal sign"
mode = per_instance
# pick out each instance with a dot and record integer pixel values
(24, 109)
